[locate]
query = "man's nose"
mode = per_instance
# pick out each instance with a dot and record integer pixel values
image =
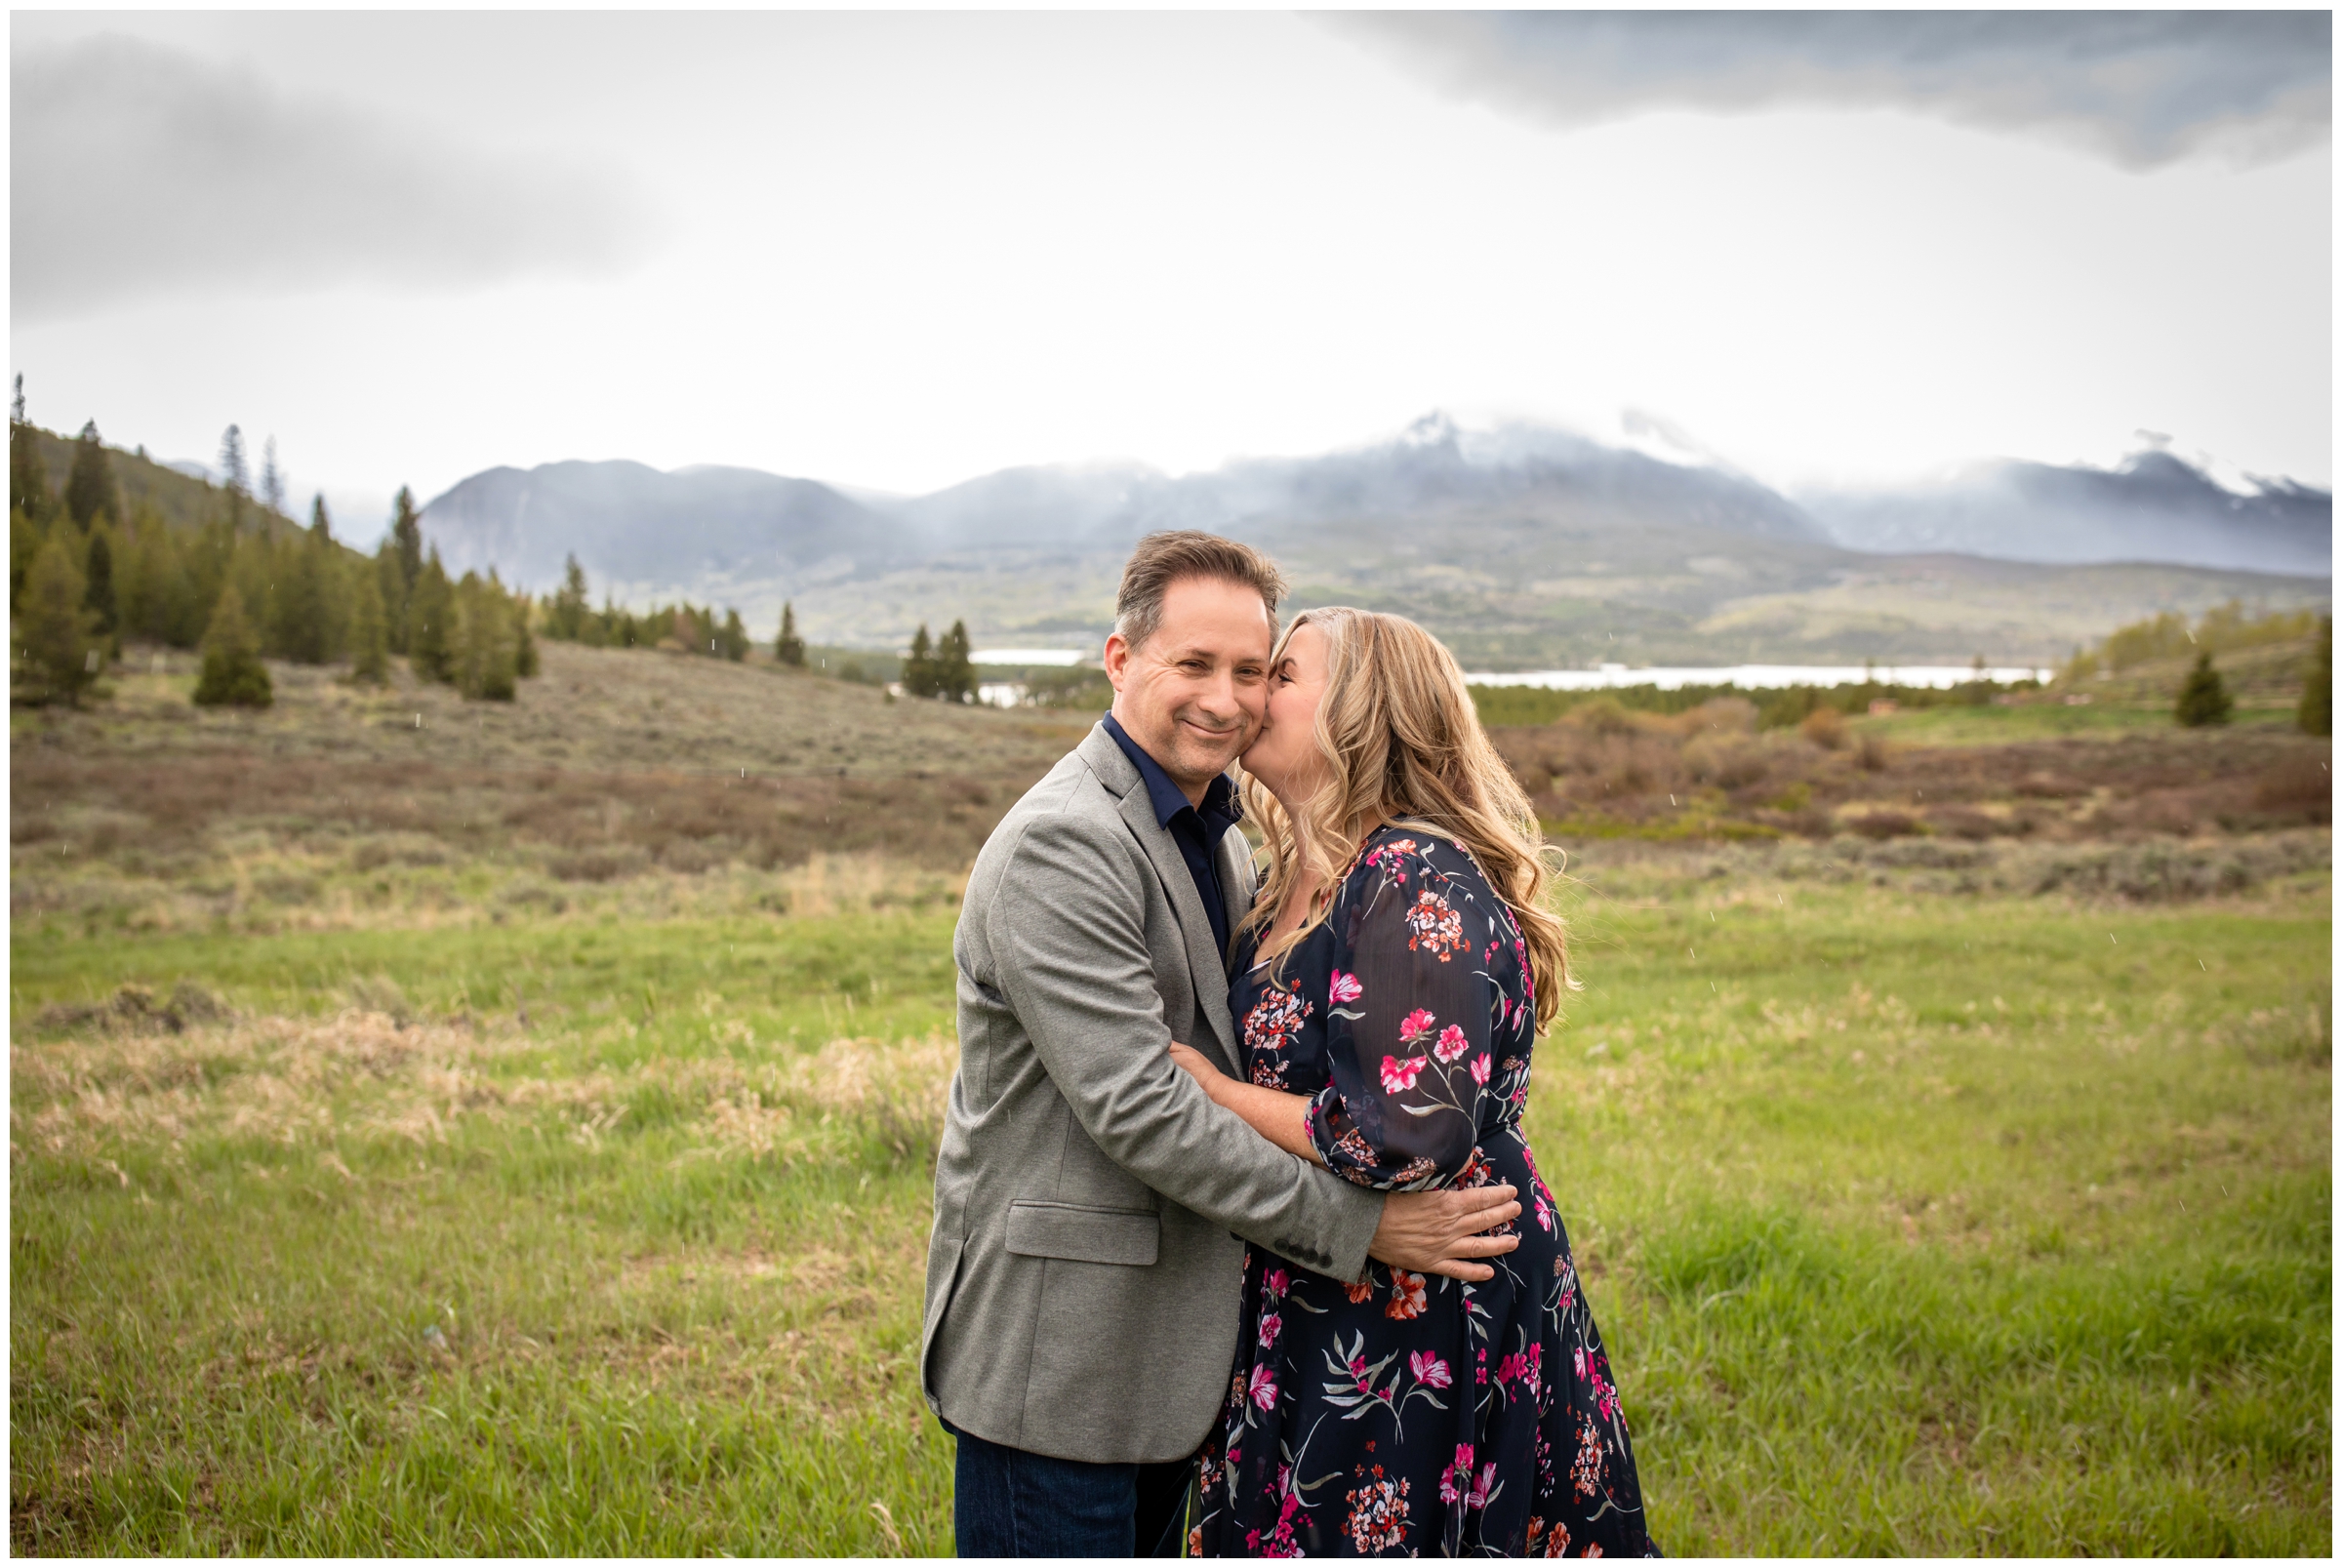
(1219, 696)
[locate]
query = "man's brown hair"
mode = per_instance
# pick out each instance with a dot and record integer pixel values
(1162, 559)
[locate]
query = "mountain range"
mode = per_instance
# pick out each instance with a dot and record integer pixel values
(1519, 544)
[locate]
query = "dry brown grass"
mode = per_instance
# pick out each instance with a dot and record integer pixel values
(335, 808)
(1602, 770)
(302, 1085)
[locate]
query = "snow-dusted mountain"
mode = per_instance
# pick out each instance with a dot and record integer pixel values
(1522, 543)
(2153, 507)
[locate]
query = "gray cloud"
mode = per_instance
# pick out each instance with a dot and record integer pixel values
(2139, 88)
(138, 170)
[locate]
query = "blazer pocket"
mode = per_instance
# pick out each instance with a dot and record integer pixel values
(1131, 1237)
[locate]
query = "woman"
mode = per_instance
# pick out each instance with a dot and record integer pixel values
(1394, 977)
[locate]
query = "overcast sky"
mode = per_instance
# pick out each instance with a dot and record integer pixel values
(899, 251)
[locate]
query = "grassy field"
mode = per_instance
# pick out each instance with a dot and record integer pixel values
(376, 1187)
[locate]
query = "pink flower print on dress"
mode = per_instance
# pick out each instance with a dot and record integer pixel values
(1345, 989)
(1480, 1069)
(1415, 1026)
(1271, 1324)
(1484, 1488)
(1432, 1371)
(1451, 1044)
(1457, 1477)
(1275, 1283)
(1264, 1387)
(1399, 1077)
(1605, 1398)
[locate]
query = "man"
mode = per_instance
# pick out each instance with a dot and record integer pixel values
(1083, 1281)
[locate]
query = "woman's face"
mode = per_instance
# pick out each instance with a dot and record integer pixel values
(1286, 757)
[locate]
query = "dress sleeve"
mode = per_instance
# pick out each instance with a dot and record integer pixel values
(1408, 1029)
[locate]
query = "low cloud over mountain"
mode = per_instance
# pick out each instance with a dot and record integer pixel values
(1519, 544)
(2154, 507)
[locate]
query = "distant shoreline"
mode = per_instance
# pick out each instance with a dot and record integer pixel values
(1667, 678)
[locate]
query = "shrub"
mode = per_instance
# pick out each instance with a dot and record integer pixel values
(1603, 716)
(2316, 714)
(2204, 700)
(1729, 762)
(55, 658)
(1825, 727)
(232, 672)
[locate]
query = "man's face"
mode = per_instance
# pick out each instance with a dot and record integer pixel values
(1192, 696)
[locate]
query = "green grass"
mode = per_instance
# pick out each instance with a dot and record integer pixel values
(1916, 1223)
(1962, 725)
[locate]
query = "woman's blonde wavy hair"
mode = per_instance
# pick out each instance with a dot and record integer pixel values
(1403, 745)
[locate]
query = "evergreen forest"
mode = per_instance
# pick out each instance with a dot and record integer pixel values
(106, 548)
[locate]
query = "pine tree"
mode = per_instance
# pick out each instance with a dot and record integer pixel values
(918, 670)
(89, 482)
(206, 562)
(955, 675)
(28, 475)
(525, 662)
(232, 477)
(480, 645)
(152, 582)
(273, 481)
(369, 635)
(253, 567)
(430, 613)
(565, 614)
(790, 648)
(2204, 700)
(55, 657)
(23, 544)
(405, 558)
(390, 586)
(733, 640)
(303, 602)
(98, 597)
(2316, 714)
(232, 672)
(320, 524)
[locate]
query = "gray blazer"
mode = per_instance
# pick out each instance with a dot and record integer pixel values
(1082, 1284)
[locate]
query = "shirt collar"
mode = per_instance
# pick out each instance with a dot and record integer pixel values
(1221, 805)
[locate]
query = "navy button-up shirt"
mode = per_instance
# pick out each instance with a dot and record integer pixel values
(1195, 830)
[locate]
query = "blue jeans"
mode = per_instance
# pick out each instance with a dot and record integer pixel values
(1007, 1503)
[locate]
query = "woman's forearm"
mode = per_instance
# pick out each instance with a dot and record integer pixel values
(1280, 1117)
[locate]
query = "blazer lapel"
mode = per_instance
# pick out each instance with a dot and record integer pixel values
(1208, 969)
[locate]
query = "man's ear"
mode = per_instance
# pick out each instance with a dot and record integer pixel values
(1116, 658)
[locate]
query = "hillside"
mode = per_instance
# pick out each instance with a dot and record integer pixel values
(182, 501)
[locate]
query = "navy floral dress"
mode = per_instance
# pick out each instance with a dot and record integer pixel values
(1415, 1413)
